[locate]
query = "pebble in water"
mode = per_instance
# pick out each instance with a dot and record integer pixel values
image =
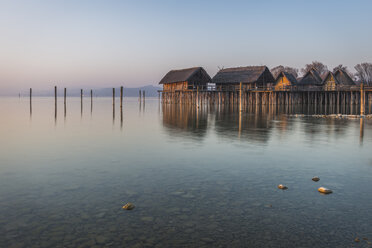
(357, 240)
(281, 186)
(128, 206)
(315, 179)
(324, 190)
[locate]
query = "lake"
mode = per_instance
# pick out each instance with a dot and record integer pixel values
(202, 177)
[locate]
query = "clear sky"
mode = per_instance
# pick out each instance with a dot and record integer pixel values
(133, 43)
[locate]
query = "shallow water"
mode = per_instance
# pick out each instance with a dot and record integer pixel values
(198, 177)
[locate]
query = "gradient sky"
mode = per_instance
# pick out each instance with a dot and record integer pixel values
(134, 43)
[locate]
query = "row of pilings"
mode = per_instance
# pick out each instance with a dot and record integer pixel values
(265, 97)
(255, 97)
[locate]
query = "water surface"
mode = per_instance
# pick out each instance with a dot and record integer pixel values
(198, 177)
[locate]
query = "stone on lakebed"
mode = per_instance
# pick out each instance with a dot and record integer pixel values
(281, 186)
(128, 206)
(315, 179)
(324, 190)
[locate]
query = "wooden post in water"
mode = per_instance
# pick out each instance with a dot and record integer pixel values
(121, 97)
(81, 101)
(362, 96)
(113, 96)
(139, 95)
(197, 96)
(240, 97)
(64, 96)
(91, 101)
(64, 100)
(55, 103)
(55, 95)
(30, 101)
(144, 95)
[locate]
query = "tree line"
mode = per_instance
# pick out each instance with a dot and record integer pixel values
(363, 72)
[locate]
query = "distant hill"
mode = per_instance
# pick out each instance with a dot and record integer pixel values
(150, 91)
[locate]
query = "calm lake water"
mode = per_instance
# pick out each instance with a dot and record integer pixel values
(198, 177)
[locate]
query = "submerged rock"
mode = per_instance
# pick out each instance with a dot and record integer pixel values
(128, 206)
(357, 239)
(315, 179)
(147, 218)
(324, 190)
(281, 186)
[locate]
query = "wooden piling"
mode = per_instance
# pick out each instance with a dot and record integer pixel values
(81, 102)
(91, 101)
(55, 95)
(64, 96)
(113, 96)
(197, 96)
(30, 101)
(64, 101)
(55, 104)
(121, 97)
(362, 97)
(240, 97)
(139, 95)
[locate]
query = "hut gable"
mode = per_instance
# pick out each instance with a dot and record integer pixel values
(195, 75)
(311, 78)
(340, 77)
(330, 77)
(291, 79)
(343, 78)
(248, 75)
(284, 79)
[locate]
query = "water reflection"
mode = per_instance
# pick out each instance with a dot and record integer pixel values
(121, 117)
(253, 124)
(361, 131)
(185, 120)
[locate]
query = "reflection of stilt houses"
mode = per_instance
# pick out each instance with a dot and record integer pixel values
(310, 79)
(185, 79)
(339, 78)
(284, 81)
(184, 120)
(250, 76)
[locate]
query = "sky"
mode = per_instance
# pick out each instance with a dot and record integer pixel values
(107, 43)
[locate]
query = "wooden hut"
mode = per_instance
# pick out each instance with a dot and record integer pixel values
(310, 79)
(339, 78)
(185, 79)
(250, 76)
(285, 80)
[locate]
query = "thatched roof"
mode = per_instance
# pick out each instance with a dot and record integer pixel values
(343, 78)
(327, 77)
(292, 79)
(248, 74)
(340, 77)
(311, 78)
(188, 74)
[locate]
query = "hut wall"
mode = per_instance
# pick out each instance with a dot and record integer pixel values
(175, 86)
(330, 83)
(281, 83)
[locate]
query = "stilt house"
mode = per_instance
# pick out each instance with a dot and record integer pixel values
(285, 80)
(339, 78)
(185, 79)
(250, 76)
(310, 79)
